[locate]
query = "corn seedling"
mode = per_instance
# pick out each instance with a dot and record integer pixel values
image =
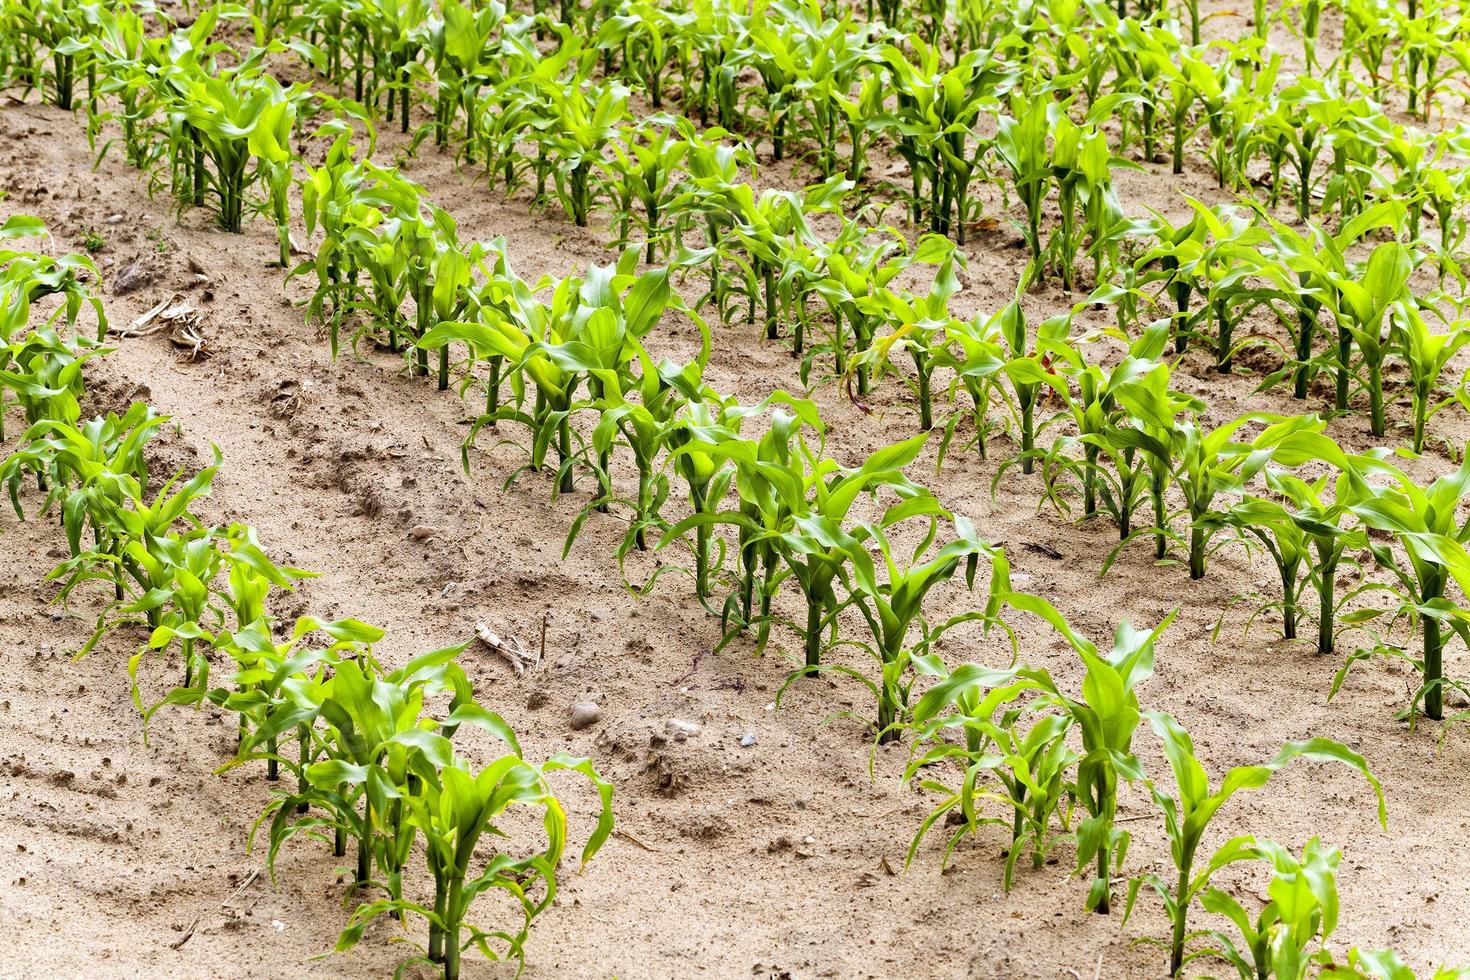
(1424, 522)
(1020, 744)
(1188, 815)
(1107, 716)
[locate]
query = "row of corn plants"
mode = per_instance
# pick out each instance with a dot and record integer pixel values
(1046, 765)
(1042, 110)
(1320, 137)
(674, 184)
(366, 754)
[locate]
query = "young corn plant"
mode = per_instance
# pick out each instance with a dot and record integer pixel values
(854, 270)
(973, 351)
(1233, 280)
(894, 607)
(918, 323)
(461, 51)
(1323, 519)
(231, 120)
(1027, 366)
(87, 469)
(587, 332)
(1424, 522)
(41, 372)
(138, 551)
(1152, 411)
(768, 477)
(1318, 261)
(1174, 262)
(816, 61)
(1021, 144)
(1211, 465)
(457, 811)
(1301, 913)
(1427, 354)
(1284, 540)
(1359, 305)
(580, 121)
(1187, 816)
(54, 27)
(1107, 716)
(644, 424)
(934, 123)
(641, 172)
(814, 536)
(27, 276)
(374, 739)
(760, 236)
(1021, 744)
(1092, 408)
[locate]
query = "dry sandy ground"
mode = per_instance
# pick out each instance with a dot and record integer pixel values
(124, 859)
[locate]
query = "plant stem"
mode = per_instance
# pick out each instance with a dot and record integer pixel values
(814, 609)
(1344, 355)
(769, 275)
(492, 389)
(451, 930)
(1089, 480)
(926, 410)
(1421, 416)
(1196, 551)
(1289, 605)
(1433, 651)
(1306, 327)
(1327, 578)
(1375, 398)
(1028, 433)
(701, 546)
(1225, 329)
(303, 739)
(1181, 914)
(887, 714)
(564, 451)
(436, 933)
(365, 842)
(1156, 494)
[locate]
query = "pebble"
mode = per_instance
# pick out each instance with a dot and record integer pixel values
(423, 532)
(681, 729)
(747, 742)
(584, 715)
(114, 219)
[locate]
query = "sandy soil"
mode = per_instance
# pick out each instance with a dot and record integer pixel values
(785, 859)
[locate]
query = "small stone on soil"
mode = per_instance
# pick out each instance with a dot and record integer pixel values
(681, 729)
(584, 715)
